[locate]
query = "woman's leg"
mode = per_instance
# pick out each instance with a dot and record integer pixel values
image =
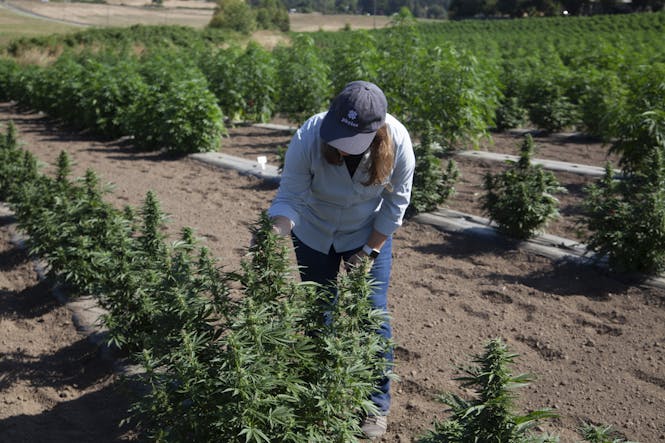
(314, 265)
(380, 273)
(323, 268)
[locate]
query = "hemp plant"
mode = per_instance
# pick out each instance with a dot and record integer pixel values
(271, 367)
(63, 168)
(142, 263)
(349, 349)
(210, 279)
(39, 206)
(17, 166)
(181, 356)
(432, 186)
(600, 434)
(67, 222)
(626, 217)
(224, 383)
(87, 226)
(490, 416)
(152, 237)
(307, 353)
(521, 199)
(182, 301)
(9, 140)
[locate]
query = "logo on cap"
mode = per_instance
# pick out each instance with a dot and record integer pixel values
(350, 117)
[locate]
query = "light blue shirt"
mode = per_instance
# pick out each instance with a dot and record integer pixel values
(329, 207)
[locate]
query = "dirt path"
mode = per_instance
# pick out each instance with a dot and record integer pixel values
(53, 385)
(28, 13)
(596, 343)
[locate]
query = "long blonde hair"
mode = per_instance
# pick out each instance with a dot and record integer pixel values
(382, 156)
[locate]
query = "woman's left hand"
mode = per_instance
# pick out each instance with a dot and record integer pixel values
(356, 259)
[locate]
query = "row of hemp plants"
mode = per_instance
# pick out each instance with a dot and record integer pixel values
(163, 119)
(158, 102)
(251, 83)
(244, 355)
(552, 96)
(437, 86)
(555, 73)
(170, 99)
(119, 39)
(272, 369)
(551, 74)
(461, 77)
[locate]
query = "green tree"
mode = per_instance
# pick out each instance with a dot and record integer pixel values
(235, 15)
(467, 8)
(648, 5)
(509, 7)
(272, 14)
(436, 11)
(577, 7)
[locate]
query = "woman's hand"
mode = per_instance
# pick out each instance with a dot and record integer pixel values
(357, 259)
(282, 225)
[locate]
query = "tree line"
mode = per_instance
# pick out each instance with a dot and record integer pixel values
(458, 9)
(245, 16)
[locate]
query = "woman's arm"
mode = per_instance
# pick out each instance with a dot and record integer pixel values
(295, 181)
(376, 240)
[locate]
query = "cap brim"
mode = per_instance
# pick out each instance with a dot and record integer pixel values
(344, 139)
(354, 145)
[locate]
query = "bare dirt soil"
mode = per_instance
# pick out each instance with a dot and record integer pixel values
(53, 384)
(195, 13)
(595, 341)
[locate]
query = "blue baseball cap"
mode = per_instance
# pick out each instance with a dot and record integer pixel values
(354, 117)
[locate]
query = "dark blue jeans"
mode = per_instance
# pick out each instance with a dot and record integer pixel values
(323, 268)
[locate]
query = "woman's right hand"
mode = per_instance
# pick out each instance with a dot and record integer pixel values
(282, 225)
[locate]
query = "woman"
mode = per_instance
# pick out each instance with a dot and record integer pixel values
(345, 186)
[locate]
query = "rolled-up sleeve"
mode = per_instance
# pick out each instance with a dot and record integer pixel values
(295, 180)
(396, 198)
